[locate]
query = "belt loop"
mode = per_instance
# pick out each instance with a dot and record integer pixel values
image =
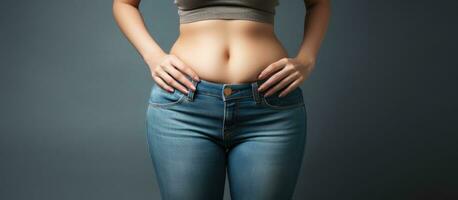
(190, 95)
(254, 89)
(223, 96)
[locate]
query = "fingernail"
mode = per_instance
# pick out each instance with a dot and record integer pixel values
(196, 78)
(260, 76)
(193, 87)
(281, 95)
(171, 89)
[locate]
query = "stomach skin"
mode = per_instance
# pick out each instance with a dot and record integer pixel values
(228, 51)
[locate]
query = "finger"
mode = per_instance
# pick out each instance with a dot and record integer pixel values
(273, 68)
(171, 81)
(278, 76)
(184, 68)
(282, 84)
(177, 75)
(162, 84)
(290, 88)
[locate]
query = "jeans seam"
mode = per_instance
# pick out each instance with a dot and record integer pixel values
(231, 98)
(207, 94)
(163, 105)
(223, 132)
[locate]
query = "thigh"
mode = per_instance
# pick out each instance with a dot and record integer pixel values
(188, 163)
(267, 154)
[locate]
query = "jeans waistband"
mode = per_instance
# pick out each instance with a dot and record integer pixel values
(227, 91)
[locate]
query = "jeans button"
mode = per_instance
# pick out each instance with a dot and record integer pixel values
(227, 91)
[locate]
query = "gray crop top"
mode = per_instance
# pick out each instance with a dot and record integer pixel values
(196, 10)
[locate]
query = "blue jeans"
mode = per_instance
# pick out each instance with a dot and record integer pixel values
(193, 138)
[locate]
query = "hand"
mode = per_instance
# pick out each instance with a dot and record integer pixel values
(287, 73)
(168, 69)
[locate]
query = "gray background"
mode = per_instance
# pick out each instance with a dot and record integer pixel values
(382, 102)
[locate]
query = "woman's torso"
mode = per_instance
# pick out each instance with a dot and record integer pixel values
(228, 51)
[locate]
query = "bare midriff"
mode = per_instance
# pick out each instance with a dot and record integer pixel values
(228, 51)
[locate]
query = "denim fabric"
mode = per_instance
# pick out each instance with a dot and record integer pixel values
(194, 138)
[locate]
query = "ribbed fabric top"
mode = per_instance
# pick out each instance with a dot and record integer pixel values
(256, 10)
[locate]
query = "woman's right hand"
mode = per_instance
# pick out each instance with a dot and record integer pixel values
(168, 71)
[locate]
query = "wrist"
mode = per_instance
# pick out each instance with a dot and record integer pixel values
(306, 59)
(153, 58)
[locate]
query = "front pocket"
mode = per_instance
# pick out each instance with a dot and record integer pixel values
(291, 100)
(162, 98)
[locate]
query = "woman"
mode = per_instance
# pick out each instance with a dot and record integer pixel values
(226, 96)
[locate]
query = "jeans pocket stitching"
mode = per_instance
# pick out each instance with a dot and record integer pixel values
(175, 93)
(164, 105)
(270, 105)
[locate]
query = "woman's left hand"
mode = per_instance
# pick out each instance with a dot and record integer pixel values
(285, 74)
